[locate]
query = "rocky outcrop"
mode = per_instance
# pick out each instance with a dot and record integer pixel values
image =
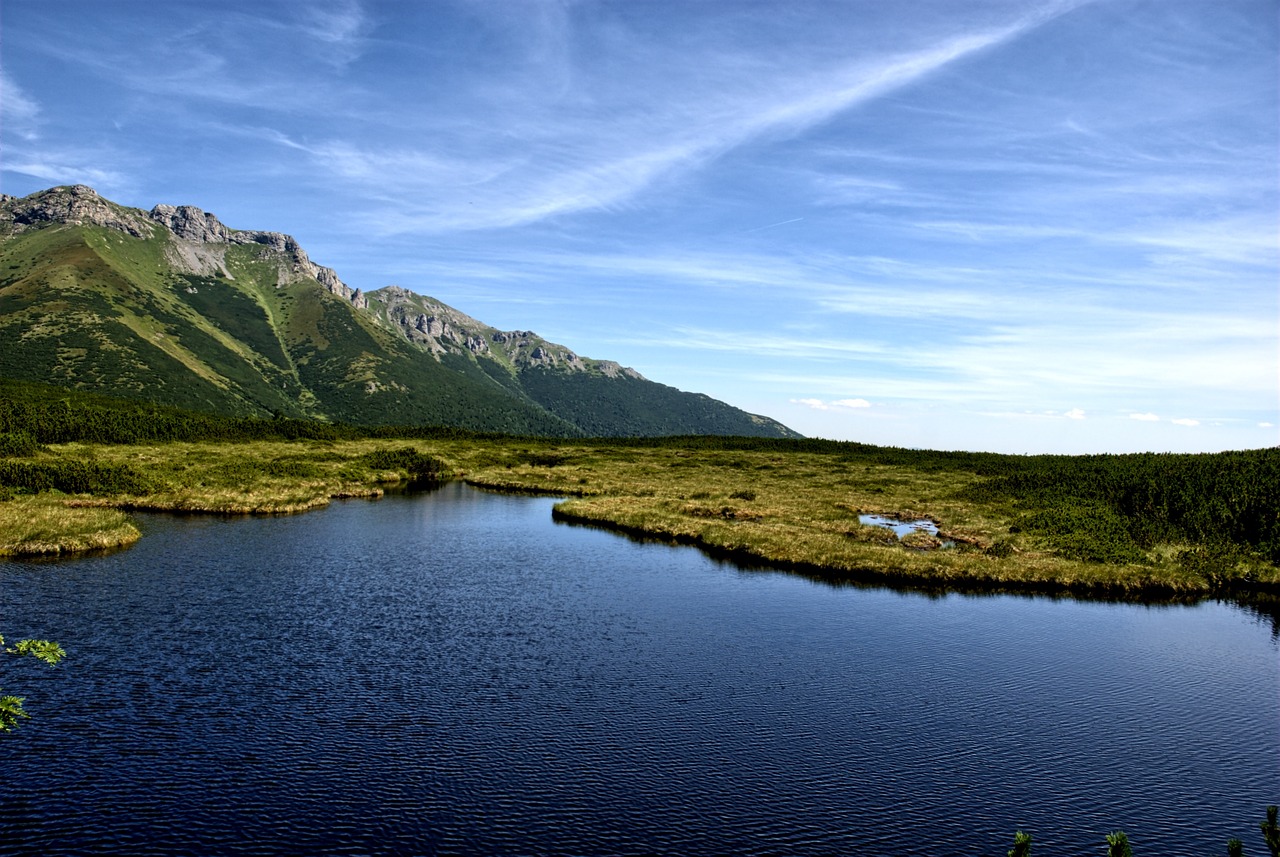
(206, 239)
(613, 370)
(198, 240)
(441, 329)
(75, 204)
(191, 224)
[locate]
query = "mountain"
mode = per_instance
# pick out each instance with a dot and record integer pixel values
(174, 307)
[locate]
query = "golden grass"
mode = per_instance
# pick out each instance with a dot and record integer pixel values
(45, 524)
(800, 511)
(790, 509)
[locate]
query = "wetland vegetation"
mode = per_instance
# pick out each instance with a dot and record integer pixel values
(72, 466)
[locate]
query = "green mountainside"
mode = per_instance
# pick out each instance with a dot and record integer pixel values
(173, 307)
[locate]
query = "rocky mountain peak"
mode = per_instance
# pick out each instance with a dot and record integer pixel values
(74, 204)
(197, 243)
(140, 330)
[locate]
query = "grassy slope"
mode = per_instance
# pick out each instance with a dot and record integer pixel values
(99, 310)
(90, 308)
(601, 405)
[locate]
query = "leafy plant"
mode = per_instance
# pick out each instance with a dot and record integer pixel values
(1118, 845)
(1271, 831)
(1021, 845)
(15, 444)
(11, 710)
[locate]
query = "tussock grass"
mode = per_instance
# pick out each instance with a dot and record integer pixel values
(45, 524)
(788, 507)
(799, 510)
(261, 477)
(258, 477)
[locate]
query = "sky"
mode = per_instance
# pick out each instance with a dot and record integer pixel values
(1023, 226)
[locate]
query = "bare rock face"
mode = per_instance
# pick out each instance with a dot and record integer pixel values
(75, 204)
(612, 370)
(191, 224)
(201, 240)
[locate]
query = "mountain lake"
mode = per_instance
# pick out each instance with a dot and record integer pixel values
(451, 672)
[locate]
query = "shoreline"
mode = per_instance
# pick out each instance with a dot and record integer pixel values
(751, 560)
(796, 511)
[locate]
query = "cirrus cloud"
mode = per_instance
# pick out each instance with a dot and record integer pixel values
(838, 404)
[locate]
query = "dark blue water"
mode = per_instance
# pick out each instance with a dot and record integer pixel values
(453, 673)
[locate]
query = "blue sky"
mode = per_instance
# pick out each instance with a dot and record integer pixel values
(1031, 226)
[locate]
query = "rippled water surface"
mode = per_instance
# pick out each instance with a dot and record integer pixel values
(454, 673)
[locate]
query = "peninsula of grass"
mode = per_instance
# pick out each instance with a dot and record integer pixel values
(1108, 526)
(1168, 525)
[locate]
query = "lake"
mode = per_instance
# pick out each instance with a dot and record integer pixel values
(452, 672)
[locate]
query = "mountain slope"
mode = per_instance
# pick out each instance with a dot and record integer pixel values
(171, 305)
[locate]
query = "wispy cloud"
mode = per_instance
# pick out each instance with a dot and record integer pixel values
(19, 114)
(1060, 213)
(837, 405)
(56, 172)
(341, 24)
(617, 157)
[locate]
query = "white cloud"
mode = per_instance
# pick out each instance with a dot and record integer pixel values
(1266, 425)
(1146, 418)
(68, 173)
(1185, 422)
(341, 24)
(1074, 414)
(838, 404)
(579, 155)
(20, 113)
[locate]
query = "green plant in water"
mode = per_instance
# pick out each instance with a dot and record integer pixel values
(1118, 845)
(1235, 848)
(11, 710)
(1271, 831)
(1021, 845)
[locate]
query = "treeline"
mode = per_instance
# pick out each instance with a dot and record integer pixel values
(1110, 508)
(47, 414)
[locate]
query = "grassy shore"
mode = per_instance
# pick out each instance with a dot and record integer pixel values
(783, 506)
(46, 524)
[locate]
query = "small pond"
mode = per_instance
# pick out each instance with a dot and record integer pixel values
(900, 528)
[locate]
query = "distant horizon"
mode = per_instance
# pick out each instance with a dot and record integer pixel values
(1001, 226)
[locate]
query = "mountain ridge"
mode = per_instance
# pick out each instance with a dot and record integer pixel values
(175, 306)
